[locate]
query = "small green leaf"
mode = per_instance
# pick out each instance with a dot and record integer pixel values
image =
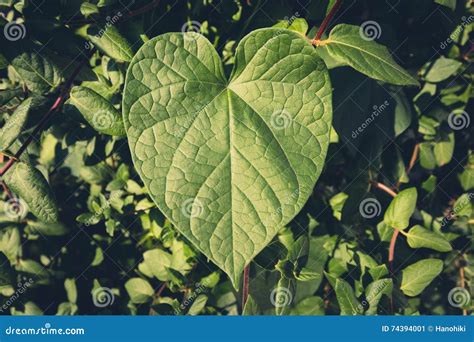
(8, 94)
(346, 298)
(417, 276)
(31, 186)
(38, 72)
(71, 289)
(139, 290)
(299, 25)
(283, 295)
(443, 150)
(48, 229)
(310, 306)
(109, 40)
(441, 69)
(18, 121)
(251, 308)
(374, 292)
(98, 112)
(198, 305)
(421, 237)
(346, 43)
(400, 209)
(448, 3)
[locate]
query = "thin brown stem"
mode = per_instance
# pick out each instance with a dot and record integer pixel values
(326, 21)
(385, 188)
(413, 159)
(7, 190)
(245, 289)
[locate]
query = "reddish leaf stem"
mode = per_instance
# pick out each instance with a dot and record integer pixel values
(327, 20)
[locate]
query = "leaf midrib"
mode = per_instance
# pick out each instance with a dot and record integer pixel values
(332, 40)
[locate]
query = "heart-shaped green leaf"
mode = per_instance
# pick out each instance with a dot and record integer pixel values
(228, 162)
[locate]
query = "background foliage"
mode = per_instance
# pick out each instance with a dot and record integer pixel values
(94, 243)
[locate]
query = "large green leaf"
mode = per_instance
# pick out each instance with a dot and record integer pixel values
(229, 162)
(346, 43)
(421, 237)
(31, 186)
(400, 209)
(417, 276)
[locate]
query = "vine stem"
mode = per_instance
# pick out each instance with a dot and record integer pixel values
(396, 232)
(54, 108)
(413, 159)
(326, 21)
(245, 289)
